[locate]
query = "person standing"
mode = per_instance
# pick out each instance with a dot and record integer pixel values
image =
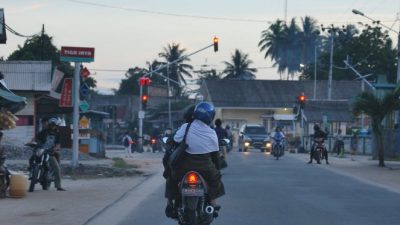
(354, 145)
(127, 142)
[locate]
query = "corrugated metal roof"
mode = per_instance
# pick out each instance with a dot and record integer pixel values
(27, 75)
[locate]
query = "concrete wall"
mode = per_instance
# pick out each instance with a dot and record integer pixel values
(29, 109)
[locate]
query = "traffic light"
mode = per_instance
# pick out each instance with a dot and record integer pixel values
(144, 100)
(144, 81)
(302, 100)
(215, 44)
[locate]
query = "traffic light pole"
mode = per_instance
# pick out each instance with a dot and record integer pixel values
(141, 112)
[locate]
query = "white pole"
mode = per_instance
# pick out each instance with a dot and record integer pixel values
(169, 101)
(75, 138)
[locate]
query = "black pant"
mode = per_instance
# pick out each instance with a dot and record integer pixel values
(325, 153)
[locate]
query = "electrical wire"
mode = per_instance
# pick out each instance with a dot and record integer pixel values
(167, 14)
(15, 32)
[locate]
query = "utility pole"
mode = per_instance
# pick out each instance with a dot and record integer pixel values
(75, 126)
(332, 30)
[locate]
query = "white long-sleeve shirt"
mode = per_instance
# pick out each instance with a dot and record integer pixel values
(200, 138)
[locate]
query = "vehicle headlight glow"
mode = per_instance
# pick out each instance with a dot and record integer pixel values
(268, 145)
(246, 144)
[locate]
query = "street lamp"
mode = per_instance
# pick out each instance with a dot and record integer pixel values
(357, 12)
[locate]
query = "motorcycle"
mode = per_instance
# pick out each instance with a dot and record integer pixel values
(156, 145)
(223, 146)
(319, 148)
(4, 180)
(278, 148)
(194, 207)
(40, 170)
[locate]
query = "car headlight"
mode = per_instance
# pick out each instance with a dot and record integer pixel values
(246, 144)
(268, 145)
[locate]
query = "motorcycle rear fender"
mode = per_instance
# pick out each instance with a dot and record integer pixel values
(202, 184)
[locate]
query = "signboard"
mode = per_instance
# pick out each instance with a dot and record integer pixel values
(84, 123)
(84, 106)
(85, 72)
(84, 89)
(77, 54)
(66, 93)
(141, 115)
(3, 37)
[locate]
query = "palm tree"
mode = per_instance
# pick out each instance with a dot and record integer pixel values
(239, 68)
(273, 42)
(293, 49)
(178, 70)
(377, 108)
(309, 37)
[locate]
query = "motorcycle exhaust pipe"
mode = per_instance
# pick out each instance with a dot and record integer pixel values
(209, 209)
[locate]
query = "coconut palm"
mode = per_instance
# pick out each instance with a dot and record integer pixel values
(178, 70)
(239, 68)
(273, 42)
(309, 37)
(377, 108)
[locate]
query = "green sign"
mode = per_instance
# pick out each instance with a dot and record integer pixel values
(84, 106)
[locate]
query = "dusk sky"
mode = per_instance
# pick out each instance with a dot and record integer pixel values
(127, 33)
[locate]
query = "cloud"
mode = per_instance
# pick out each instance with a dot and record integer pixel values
(26, 8)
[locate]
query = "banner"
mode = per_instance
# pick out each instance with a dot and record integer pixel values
(66, 93)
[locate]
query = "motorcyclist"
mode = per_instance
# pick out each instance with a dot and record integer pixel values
(320, 136)
(221, 133)
(278, 135)
(50, 139)
(202, 155)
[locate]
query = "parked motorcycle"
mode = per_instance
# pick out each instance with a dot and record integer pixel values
(40, 170)
(278, 148)
(4, 180)
(319, 148)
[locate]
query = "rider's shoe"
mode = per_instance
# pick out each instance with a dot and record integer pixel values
(327, 162)
(309, 162)
(60, 189)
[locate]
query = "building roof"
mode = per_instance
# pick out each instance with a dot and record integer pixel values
(272, 93)
(335, 111)
(27, 75)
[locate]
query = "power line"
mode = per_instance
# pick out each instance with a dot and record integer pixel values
(167, 14)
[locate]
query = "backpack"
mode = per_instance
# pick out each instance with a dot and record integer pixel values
(126, 141)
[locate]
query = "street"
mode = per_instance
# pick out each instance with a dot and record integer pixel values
(262, 190)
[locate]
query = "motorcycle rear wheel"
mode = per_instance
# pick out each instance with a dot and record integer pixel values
(191, 217)
(34, 177)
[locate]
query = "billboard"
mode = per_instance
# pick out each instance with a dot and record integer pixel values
(3, 37)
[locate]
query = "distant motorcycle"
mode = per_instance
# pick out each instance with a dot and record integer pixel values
(40, 170)
(223, 146)
(278, 148)
(319, 148)
(156, 144)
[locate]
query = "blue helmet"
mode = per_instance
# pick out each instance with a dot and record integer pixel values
(205, 112)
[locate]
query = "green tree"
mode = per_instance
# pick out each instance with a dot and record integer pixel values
(130, 84)
(41, 47)
(377, 109)
(176, 71)
(239, 69)
(206, 74)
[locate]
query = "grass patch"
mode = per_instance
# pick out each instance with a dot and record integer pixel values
(120, 163)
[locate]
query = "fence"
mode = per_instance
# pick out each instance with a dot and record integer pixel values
(364, 144)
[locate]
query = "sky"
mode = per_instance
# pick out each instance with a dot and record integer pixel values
(128, 33)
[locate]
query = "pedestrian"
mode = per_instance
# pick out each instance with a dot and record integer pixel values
(230, 137)
(338, 146)
(353, 145)
(127, 142)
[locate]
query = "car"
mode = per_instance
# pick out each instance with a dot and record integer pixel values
(254, 136)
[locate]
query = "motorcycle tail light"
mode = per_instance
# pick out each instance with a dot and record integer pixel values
(153, 140)
(192, 179)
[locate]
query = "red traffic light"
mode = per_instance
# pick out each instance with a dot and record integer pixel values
(144, 81)
(145, 98)
(215, 44)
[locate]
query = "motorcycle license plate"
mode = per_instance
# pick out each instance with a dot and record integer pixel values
(192, 192)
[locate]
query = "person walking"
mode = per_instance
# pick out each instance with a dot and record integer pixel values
(127, 142)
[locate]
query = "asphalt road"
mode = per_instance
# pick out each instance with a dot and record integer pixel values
(264, 191)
